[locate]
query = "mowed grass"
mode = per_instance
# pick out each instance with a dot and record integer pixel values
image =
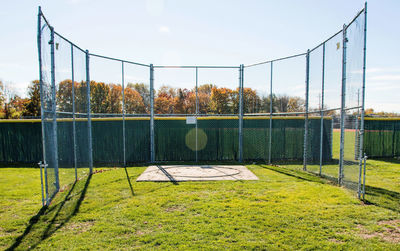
(285, 209)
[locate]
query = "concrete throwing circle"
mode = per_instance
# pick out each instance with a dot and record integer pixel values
(196, 173)
(223, 170)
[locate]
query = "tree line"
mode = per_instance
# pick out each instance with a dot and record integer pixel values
(107, 98)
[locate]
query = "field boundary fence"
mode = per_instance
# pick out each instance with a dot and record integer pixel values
(305, 110)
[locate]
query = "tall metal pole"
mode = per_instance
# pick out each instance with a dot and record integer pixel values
(89, 125)
(270, 115)
(322, 113)
(241, 113)
(343, 106)
(54, 110)
(73, 112)
(39, 44)
(123, 113)
(361, 142)
(306, 114)
(197, 113)
(152, 153)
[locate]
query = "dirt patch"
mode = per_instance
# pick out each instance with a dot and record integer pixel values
(175, 208)
(80, 227)
(390, 231)
(336, 241)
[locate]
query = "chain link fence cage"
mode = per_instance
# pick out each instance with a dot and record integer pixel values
(305, 110)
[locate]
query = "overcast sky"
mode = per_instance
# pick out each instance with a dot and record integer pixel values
(202, 32)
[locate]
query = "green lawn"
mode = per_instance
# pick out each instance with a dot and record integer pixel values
(285, 209)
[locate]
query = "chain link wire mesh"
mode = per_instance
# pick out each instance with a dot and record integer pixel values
(257, 120)
(137, 113)
(49, 128)
(106, 109)
(289, 110)
(353, 102)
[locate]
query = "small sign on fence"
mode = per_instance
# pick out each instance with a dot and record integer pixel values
(190, 120)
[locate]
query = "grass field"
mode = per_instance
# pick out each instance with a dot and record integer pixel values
(285, 209)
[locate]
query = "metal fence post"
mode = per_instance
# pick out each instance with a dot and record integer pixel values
(73, 112)
(54, 111)
(322, 111)
(343, 108)
(39, 44)
(89, 125)
(305, 145)
(197, 114)
(241, 69)
(152, 153)
(123, 112)
(365, 170)
(270, 116)
(361, 140)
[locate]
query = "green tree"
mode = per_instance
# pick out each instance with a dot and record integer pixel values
(32, 107)
(99, 97)
(64, 96)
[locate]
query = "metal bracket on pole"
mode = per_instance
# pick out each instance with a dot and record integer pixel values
(343, 106)
(41, 166)
(305, 145)
(152, 148)
(241, 75)
(365, 170)
(90, 152)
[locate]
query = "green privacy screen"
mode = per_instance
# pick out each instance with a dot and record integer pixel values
(175, 140)
(382, 137)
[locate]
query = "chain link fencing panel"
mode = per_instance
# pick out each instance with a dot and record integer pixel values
(257, 120)
(49, 125)
(353, 94)
(281, 111)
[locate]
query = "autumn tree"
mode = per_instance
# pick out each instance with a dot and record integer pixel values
(134, 102)
(2, 97)
(203, 96)
(15, 108)
(220, 100)
(144, 92)
(296, 104)
(115, 99)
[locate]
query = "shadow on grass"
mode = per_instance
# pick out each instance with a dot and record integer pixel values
(50, 219)
(382, 198)
(129, 181)
(295, 174)
(388, 160)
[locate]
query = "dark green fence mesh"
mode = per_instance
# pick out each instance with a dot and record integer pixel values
(20, 142)
(217, 140)
(382, 137)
